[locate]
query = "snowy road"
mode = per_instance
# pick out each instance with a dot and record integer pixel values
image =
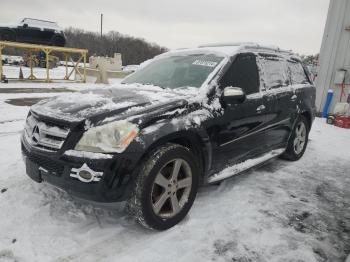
(284, 211)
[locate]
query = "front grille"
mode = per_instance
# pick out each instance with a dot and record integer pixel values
(46, 163)
(43, 135)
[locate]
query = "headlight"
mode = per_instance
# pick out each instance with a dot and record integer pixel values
(109, 138)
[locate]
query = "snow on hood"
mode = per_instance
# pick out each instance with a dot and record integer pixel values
(118, 99)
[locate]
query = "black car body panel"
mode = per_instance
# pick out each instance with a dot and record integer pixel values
(31, 31)
(219, 134)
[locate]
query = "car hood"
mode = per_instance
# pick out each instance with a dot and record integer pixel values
(119, 102)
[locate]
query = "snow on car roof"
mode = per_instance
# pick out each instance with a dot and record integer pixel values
(40, 23)
(251, 45)
(229, 49)
(220, 51)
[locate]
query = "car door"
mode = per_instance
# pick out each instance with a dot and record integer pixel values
(277, 98)
(238, 134)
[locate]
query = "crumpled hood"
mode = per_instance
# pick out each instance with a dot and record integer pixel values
(106, 102)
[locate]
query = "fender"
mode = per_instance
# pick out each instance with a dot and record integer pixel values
(306, 102)
(176, 130)
(305, 106)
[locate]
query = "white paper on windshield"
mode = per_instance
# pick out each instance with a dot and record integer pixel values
(205, 63)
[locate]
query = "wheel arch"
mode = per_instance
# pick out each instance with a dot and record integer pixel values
(308, 117)
(196, 142)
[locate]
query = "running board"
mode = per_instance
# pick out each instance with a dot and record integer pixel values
(243, 166)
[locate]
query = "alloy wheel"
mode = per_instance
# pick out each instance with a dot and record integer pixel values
(171, 188)
(300, 138)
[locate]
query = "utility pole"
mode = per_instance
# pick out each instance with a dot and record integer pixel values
(101, 24)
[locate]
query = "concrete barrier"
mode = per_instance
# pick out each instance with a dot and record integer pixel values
(100, 76)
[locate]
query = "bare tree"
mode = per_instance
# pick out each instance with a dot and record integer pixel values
(133, 50)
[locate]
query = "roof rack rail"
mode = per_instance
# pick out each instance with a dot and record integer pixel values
(39, 20)
(225, 44)
(248, 45)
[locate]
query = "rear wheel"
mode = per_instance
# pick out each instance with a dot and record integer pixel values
(298, 140)
(165, 188)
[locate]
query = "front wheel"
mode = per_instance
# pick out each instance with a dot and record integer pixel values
(298, 140)
(165, 188)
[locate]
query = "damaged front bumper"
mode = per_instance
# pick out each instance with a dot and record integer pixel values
(98, 180)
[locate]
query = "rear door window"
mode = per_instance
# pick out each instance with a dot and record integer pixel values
(243, 73)
(274, 72)
(297, 73)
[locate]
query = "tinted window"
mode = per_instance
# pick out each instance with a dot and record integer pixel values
(275, 72)
(297, 72)
(243, 73)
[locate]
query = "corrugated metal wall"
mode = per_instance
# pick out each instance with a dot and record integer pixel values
(335, 52)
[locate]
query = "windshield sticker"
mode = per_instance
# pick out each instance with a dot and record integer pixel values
(205, 63)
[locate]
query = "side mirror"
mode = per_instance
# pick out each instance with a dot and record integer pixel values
(233, 95)
(25, 25)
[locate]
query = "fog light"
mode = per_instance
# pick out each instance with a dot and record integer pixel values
(86, 174)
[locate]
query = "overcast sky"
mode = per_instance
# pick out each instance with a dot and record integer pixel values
(290, 24)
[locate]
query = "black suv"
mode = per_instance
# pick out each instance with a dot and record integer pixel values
(172, 126)
(33, 31)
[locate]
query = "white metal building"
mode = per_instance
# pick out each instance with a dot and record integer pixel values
(334, 61)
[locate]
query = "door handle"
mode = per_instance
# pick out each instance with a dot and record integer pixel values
(293, 98)
(260, 108)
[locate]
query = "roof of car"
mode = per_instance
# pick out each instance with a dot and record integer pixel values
(41, 23)
(230, 49)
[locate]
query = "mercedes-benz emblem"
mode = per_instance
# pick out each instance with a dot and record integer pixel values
(36, 134)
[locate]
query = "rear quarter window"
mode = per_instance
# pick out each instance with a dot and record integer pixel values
(297, 72)
(274, 72)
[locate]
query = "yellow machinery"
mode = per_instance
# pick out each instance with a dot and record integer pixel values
(48, 50)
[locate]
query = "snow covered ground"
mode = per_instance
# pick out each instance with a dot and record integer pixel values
(283, 211)
(56, 73)
(12, 71)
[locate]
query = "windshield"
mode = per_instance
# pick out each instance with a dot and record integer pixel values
(176, 71)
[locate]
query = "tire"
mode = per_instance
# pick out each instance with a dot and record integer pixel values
(156, 201)
(298, 140)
